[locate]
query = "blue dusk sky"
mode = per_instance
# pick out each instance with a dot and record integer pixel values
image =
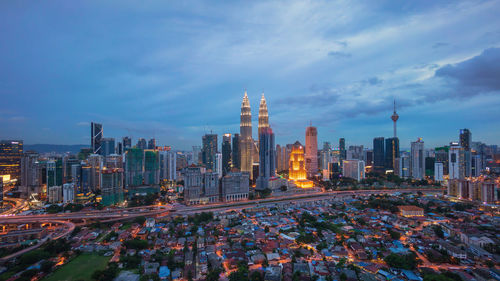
(174, 70)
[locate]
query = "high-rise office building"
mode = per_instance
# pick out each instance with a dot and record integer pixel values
(107, 146)
(235, 187)
(30, 175)
(235, 156)
(68, 193)
(151, 167)
(112, 186)
(267, 156)
(403, 166)
(152, 144)
(119, 148)
(355, 152)
(417, 159)
(226, 154)
(127, 143)
(96, 137)
(142, 144)
(263, 115)
(391, 152)
(246, 141)
(354, 169)
(311, 151)
(134, 167)
(196, 155)
(168, 165)
(465, 139)
(378, 155)
(456, 161)
(218, 164)
(342, 150)
(208, 151)
(10, 159)
(438, 171)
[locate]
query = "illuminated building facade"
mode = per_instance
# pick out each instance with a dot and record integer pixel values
(297, 167)
(411, 211)
(246, 141)
(263, 115)
(10, 159)
(311, 151)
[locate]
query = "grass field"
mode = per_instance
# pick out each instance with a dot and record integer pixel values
(80, 268)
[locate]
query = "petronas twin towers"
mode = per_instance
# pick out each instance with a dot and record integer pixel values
(246, 140)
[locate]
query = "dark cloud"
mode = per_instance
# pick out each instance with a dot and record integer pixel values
(477, 75)
(336, 54)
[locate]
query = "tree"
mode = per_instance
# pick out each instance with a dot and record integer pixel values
(438, 231)
(407, 261)
(394, 234)
(256, 276)
(266, 229)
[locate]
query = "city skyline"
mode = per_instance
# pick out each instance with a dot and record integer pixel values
(339, 71)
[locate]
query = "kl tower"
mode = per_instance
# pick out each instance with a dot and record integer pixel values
(395, 118)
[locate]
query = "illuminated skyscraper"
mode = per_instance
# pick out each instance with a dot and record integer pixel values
(263, 115)
(246, 141)
(10, 159)
(465, 139)
(297, 166)
(96, 137)
(311, 151)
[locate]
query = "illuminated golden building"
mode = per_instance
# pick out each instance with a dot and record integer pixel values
(263, 115)
(246, 141)
(297, 167)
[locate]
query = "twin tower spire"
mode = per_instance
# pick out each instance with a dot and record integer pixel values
(246, 140)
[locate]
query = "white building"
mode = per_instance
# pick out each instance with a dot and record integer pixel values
(55, 194)
(68, 193)
(417, 161)
(168, 164)
(438, 171)
(454, 161)
(354, 169)
(218, 164)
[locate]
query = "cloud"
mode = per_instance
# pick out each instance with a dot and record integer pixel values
(474, 76)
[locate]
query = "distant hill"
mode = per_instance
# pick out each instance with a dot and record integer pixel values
(57, 148)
